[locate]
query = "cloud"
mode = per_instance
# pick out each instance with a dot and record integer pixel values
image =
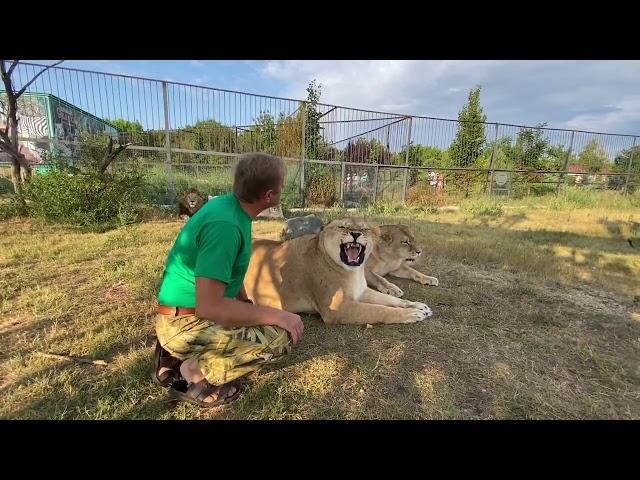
(626, 111)
(200, 80)
(600, 94)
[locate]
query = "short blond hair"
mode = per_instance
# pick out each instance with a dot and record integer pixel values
(255, 174)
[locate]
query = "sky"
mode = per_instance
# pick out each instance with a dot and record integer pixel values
(599, 96)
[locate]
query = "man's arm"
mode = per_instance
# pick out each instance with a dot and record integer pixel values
(242, 295)
(211, 304)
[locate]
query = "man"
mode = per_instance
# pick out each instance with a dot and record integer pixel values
(209, 332)
(432, 177)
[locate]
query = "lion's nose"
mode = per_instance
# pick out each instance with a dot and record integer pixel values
(355, 235)
(418, 252)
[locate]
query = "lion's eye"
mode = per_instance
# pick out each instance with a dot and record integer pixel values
(405, 242)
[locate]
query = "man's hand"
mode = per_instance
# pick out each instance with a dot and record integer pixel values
(292, 324)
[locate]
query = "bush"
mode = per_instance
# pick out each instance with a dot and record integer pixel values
(87, 199)
(6, 187)
(423, 196)
(581, 197)
(483, 207)
(320, 186)
(12, 207)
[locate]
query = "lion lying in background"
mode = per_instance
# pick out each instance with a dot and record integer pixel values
(394, 254)
(325, 274)
(191, 201)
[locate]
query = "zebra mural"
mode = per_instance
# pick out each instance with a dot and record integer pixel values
(47, 117)
(32, 124)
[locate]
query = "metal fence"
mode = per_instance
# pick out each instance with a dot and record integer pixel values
(187, 136)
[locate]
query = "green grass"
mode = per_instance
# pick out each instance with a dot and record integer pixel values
(537, 316)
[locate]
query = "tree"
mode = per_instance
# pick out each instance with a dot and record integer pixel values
(265, 136)
(130, 132)
(422, 156)
(313, 136)
(289, 134)
(468, 145)
(621, 162)
(380, 153)
(358, 151)
(593, 157)
(557, 155)
(530, 149)
(621, 165)
(126, 126)
(97, 152)
(208, 135)
(319, 181)
(20, 168)
(470, 138)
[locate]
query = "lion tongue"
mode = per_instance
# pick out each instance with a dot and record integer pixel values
(353, 253)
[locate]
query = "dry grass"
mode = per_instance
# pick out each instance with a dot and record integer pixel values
(537, 316)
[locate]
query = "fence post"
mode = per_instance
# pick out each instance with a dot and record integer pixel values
(302, 152)
(342, 180)
(375, 185)
(633, 151)
(564, 166)
(167, 143)
(492, 162)
(406, 162)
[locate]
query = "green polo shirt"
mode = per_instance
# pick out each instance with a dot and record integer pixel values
(214, 243)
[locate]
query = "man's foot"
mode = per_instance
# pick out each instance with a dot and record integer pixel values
(204, 394)
(166, 368)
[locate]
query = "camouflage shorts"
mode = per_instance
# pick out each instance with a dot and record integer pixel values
(223, 354)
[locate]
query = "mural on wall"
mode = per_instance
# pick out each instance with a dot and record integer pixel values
(70, 122)
(66, 124)
(32, 124)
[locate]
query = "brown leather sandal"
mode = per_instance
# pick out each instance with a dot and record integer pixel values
(163, 359)
(196, 393)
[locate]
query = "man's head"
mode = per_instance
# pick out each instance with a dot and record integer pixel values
(259, 178)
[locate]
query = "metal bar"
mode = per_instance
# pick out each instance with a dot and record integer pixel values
(326, 113)
(375, 185)
(302, 151)
(564, 166)
(633, 151)
(493, 158)
(406, 162)
(368, 131)
(319, 104)
(167, 143)
(342, 180)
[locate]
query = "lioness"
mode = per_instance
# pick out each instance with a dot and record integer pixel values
(324, 273)
(394, 254)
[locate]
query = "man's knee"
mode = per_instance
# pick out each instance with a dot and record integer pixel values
(279, 341)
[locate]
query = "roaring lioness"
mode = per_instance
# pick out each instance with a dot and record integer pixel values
(394, 254)
(324, 273)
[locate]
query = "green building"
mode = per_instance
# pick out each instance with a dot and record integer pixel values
(48, 124)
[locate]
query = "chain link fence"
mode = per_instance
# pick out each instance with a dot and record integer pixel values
(186, 136)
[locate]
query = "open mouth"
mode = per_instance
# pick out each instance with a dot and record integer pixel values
(352, 253)
(192, 204)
